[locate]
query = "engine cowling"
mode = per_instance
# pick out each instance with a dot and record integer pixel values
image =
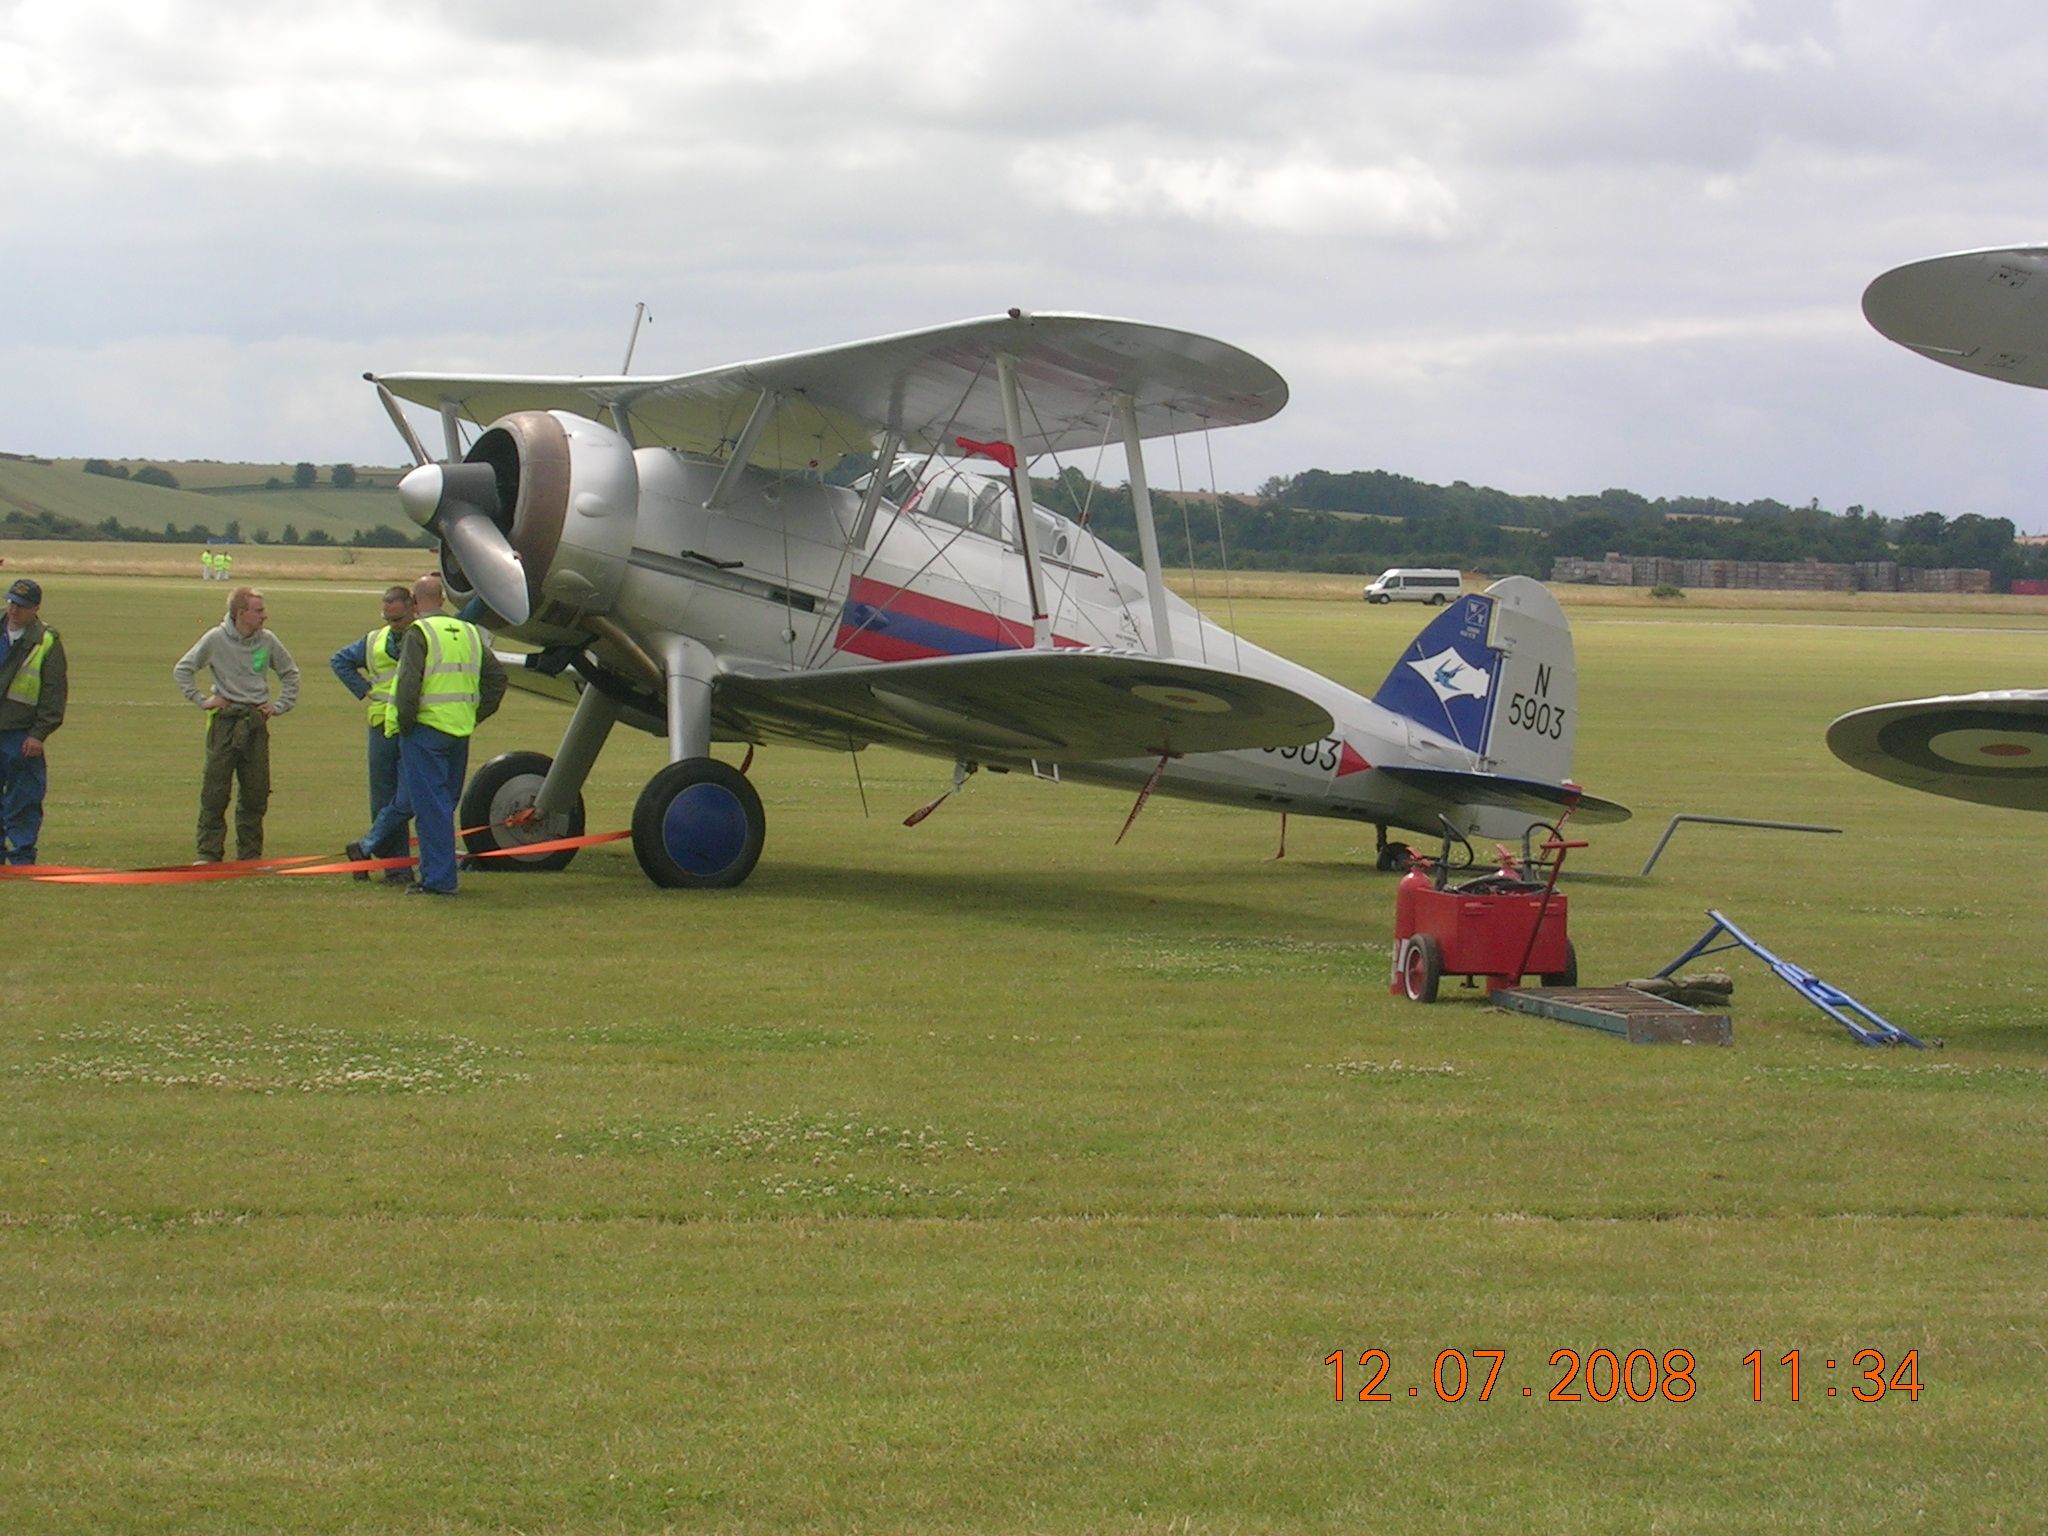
(568, 502)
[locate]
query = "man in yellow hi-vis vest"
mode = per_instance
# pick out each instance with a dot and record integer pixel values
(368, 668)
(34, 687)
(448, 681)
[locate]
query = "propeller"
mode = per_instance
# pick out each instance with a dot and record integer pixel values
(459, 504)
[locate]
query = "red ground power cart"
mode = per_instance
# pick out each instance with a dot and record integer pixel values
(1504, 925)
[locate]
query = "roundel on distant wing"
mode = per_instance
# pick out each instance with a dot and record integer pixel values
(1180, 696)
(1991, 748)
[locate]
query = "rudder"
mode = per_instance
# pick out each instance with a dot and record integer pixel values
(1494, 672)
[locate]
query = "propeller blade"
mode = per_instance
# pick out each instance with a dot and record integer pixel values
(391, 409)
(487, 559)
(425, 490)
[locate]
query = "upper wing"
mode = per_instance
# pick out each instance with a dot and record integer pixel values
(930, 386)
(1988, 747)
(1052, 706)
(1985, 312)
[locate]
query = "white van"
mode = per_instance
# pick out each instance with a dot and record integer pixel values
(1406, 584)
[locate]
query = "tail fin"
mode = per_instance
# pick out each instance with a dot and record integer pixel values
(1494, 673)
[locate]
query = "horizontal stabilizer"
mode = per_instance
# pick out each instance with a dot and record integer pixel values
(1990, 748)
(1530, 795)
(1051, 706)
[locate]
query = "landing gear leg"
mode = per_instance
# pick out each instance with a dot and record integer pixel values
(596, 713)
(1391, 856)
(523, 797)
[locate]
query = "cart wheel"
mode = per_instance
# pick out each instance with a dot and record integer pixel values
(1423, 969)
(1569, 976)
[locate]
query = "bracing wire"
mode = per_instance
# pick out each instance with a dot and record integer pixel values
(1188, 532)
(896, 511)
(1223, 550)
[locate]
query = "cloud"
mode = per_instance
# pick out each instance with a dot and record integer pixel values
(1567, 243)
(1302, 193)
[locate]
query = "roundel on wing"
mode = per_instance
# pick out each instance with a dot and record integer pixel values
(1989, 748)
(1180, 696)
(1973, 743)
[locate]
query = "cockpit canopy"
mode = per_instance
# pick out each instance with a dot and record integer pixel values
(981, 504)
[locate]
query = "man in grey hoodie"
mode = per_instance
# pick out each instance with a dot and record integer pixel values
(241, 656)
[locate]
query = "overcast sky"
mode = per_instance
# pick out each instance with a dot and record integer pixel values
(1552, 247)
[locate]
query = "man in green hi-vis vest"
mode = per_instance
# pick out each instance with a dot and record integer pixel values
(34, 686)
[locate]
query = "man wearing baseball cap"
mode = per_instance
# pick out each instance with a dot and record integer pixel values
(33, 688)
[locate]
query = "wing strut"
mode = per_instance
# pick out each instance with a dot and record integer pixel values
(885, 463)
(1148, 535)
(451, 428)
(742, 450)
(1145, 793)
(1027, 514)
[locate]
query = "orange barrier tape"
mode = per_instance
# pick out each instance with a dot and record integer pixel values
(170, 874)
(301, 864)
(184, 874)
(553, 845)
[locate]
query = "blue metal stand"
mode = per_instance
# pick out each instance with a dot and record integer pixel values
(1832, 1001)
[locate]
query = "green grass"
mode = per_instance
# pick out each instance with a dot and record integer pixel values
(988, 1176)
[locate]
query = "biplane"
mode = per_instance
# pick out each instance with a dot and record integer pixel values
(1983, 312)
(673, 552)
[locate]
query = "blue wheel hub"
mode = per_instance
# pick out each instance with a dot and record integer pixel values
(705, 829)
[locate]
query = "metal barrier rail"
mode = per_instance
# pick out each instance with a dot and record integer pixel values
(1728, 821)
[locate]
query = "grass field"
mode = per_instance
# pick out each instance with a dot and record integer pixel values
(211, 495)
(991, 1177)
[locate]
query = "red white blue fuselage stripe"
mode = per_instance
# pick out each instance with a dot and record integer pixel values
(885, 623)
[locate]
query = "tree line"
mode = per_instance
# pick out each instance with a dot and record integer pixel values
(1369, 519)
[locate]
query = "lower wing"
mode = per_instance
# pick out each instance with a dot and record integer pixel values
(1053, 706)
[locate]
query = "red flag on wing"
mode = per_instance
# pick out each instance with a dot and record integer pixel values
(1001, 452)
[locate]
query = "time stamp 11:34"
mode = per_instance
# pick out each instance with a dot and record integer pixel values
(1636, 1376)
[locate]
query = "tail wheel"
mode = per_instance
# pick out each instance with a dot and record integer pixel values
(505, 786)
(1393, 856)
(1423, 969)
(1569, 976)
(698, 825)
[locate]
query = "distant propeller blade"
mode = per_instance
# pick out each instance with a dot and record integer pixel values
(391, 408)
(487, 559)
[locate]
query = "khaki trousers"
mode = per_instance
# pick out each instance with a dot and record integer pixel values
(238, 755)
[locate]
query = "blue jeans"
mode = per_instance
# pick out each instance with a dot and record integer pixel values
(432, 765)
(383, 758)
(23, 783)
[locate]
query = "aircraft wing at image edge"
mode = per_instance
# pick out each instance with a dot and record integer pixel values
(1983, 312)
(1990, 748)
(932, 387)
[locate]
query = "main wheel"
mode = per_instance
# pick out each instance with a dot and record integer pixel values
(1569, 976)
(503, 787)
(1423, 969)
(698, 824)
